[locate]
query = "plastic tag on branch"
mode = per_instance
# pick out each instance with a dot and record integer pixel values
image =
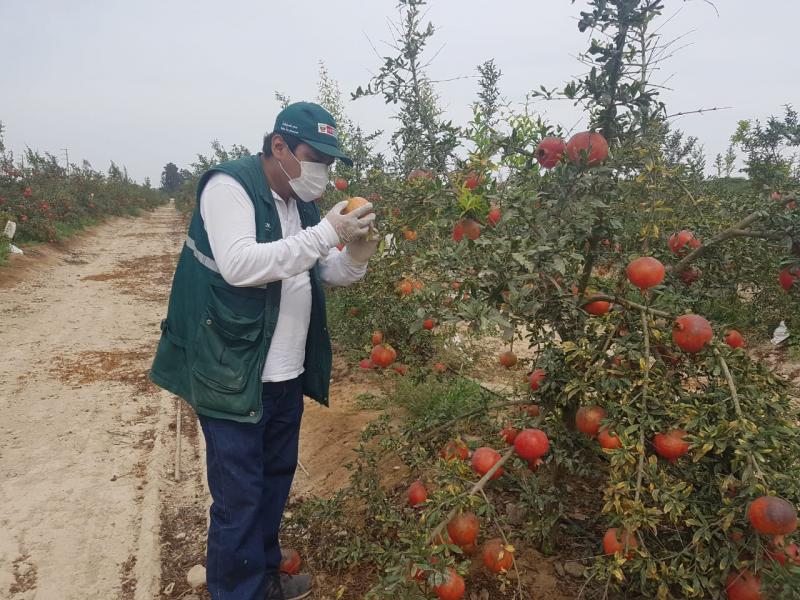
(10, 230)
(780, 334)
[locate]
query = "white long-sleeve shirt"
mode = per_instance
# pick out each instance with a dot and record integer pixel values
(229, 219)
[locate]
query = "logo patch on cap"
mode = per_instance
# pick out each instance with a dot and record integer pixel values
(289, 128)
(326, 129)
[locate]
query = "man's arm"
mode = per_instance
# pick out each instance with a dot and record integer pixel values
(229, 219)
(338, 269)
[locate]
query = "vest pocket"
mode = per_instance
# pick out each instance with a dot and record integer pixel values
(228, 347)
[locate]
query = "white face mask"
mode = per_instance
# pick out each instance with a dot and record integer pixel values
(314, 178)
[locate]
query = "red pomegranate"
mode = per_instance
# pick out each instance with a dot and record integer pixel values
(597, 308)
(483, 459)
(590, 144)
(468, 228)
(691, 333)
(494, 215)
(497, 557)
(589, 418)
(453, 588)
(463, 529)
(671, 445)
(531, 444)
(366, 363)
(645, 272)
(680, 243)
(405, 287)
(734, 339)
(508, 359)
(536, 378)
(417, 494)
(383, 355)
(290, 561)
(377, 338)
(771, 515)
(608, 440)
(743, 586)
(549, 151)
(690, 275)
(509, 434)
(788, 277)
(454, 450)
(615, 541)
(782, 554)
(532, 410)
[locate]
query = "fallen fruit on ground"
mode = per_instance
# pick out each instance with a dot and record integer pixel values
(788, 277)
(417, 494)
(454, 450)
(290, 561)
(405, 287)
(497, 557)
(453, 588)
(734, 339)
(383, 355)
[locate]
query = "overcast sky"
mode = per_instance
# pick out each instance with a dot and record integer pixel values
(146, 82)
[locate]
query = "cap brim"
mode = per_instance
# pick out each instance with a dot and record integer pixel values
(330, 151)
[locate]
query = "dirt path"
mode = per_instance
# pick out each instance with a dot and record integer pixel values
(91, 508)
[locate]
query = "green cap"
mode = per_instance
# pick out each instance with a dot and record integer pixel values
(314, 125)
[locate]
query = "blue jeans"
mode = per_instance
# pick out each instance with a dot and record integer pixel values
(250, 472)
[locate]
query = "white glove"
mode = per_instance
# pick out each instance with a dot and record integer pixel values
(360, 249)
(354, 224)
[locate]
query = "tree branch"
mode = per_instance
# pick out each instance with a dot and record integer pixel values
(627, 304)
(738, 408)
(645, 387)
(736, 230)
(472, 491)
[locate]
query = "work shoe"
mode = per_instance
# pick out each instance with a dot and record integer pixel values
(292, 587)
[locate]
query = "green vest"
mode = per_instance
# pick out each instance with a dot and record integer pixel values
(215, 339)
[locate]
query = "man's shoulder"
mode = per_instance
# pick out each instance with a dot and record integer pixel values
(216, 178)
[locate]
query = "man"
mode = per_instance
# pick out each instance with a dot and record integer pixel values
(246, 337)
